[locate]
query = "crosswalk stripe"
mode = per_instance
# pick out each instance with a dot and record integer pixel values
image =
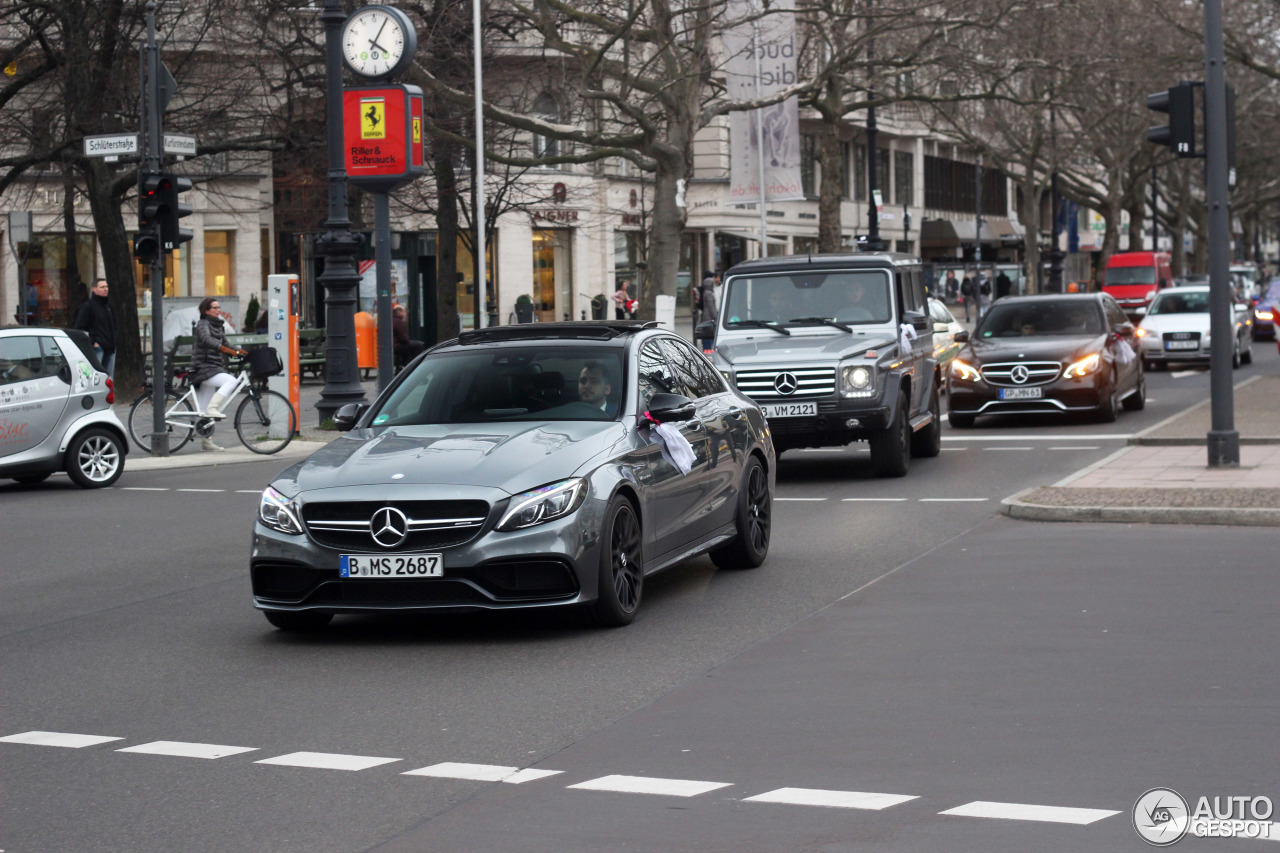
(831, 799)
(66, 739)
(650, 785)
(481, 772)
(327, 761)
(182, 749)
(1021, 811)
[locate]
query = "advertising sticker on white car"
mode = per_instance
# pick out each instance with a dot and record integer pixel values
(789, 410)
(375, 566)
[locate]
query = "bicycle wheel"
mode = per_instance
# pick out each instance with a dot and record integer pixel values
(265, 422)
(142, 422)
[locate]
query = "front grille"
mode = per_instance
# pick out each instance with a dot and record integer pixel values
(810, 382)
(358, 593)
(1038, 373)
(1182, 336)
(432, 524)
(285, 581)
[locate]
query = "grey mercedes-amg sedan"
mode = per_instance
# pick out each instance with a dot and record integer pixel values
(518, 467)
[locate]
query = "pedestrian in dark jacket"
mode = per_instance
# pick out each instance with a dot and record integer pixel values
(1004, 285)
(966, 294)
(208, 371)
(405, 348)
(710, 305)
(97, 318)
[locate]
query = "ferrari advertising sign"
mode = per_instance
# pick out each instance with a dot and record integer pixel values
(382, 135)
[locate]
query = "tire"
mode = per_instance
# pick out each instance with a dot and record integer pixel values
(960, 421)
(1235, 356)
(891, 449)
(266, 424)
(1108, 411)
(926, 443)
(95, 458)
(1246, 357)
(754, 520)
(300, 621)
(621, 582)
(140, 422)
(32, 479)
(1137, 401)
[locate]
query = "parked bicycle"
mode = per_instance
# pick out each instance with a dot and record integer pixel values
(265, 421)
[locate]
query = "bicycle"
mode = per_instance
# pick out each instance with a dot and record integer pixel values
(265, 421)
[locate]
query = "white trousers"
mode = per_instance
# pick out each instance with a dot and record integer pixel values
(209, 387)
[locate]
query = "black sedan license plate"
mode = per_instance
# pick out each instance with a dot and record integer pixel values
(1021, 393)
(400, 566)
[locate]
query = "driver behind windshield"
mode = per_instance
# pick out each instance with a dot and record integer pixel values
(593, 385)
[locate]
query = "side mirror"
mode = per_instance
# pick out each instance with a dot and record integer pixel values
(916, 318)
(705, 329)
(347, 416)
(962, 337)
(671, 407)
(1140, 310)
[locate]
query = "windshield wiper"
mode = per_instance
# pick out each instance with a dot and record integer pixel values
(759, 324)
(833, 323)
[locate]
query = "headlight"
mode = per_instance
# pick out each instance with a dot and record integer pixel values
(857, 380)
(1264, 315)
(545, 503)
(276, 512)
(1140, 332)
(1083, 367)
(964, 372)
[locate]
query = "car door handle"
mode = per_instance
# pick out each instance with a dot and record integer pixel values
(695, 425)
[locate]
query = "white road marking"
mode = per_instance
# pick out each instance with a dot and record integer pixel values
(1019, 811)
(248, 491)
(1182, 374)
(1076, 447)
(143, 489)
(70, 741)
(831, 799)
(188, 750)
(953, 449)
(481, 772)
(951, 500)
(850, 500)
(202, 490)
(327, 761)
(650, 785)
(1111, 436)
(1008, 448)
(799, 499)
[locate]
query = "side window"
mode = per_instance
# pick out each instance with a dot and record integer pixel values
(21, 360)
(1115, 317)
(902, 289)
(918, 286)
(692, 368)
(655, 375)
(54, 360)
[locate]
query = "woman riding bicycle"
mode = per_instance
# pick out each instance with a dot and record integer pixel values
(208, 371)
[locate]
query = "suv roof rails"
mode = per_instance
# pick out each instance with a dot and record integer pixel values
(589, 329)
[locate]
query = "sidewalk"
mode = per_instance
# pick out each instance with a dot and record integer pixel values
(1163, 477)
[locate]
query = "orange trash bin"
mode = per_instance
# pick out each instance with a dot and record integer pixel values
(366, 341)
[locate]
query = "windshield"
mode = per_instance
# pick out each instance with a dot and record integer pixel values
(1040, 318)
(1180, 303)
(847, 297)
(1272, 292)
(1131, 275)
(510, 383)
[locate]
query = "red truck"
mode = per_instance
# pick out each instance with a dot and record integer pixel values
(1132, 278)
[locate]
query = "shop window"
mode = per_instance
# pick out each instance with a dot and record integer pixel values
(468, 294)
(552, 275)
(47, 275)
(219, 263)
(904, 177)
(177, 275)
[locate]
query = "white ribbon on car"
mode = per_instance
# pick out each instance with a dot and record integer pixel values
(675, 448)
(1124, 352)
(906, 334)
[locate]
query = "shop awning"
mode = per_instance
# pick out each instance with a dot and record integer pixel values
(772, 239)
(956, 232)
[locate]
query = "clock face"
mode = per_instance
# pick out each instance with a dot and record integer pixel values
(377, 41)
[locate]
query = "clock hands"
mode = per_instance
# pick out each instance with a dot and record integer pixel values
(373, 42)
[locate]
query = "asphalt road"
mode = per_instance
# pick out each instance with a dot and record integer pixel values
(901, 640)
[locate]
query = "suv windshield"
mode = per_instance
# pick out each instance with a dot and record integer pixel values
(509, 383)
(1039, 318)
(844, 296)
(1131, 275)
(1180, 303)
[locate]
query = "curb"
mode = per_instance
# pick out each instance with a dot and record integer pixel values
(1014, 507)
(297, 449)
(1154, 441)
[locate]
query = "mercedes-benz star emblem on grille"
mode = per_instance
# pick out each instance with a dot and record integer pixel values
(389, 527)
(1019, 374)
(785, 383)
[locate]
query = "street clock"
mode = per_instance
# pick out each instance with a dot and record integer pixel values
(378, 42)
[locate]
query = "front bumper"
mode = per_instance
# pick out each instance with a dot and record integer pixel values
(551, 564)
(832, 426)
(1060, 396)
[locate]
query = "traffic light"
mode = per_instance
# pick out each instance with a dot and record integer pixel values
(146, 243)
(171, 210)
(1180, 133)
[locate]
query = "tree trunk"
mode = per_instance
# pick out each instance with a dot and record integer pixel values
(1030, 217)
(118, 269)
(74, 292)
(664, 235)
(448, 323)
(830, 193)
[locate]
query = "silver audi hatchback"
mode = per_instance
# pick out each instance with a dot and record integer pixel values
(520, 467)
(55, 409)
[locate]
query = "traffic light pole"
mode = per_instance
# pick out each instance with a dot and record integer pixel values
(153, 144)
(1223, 440)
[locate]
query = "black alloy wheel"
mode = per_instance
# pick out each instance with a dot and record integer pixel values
(754, 519)
(621, 581)
(891, 449)
(299, 621)
(926, 442)
(1107, 409)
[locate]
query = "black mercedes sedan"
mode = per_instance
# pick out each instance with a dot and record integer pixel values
(1049, 353)
(535, 466)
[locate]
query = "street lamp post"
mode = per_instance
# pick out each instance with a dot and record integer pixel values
(339, 244)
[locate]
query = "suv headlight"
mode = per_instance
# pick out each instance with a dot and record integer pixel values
(857, 380)
(277, 512)
(964, 372)
(545, 503)
(1083, 367)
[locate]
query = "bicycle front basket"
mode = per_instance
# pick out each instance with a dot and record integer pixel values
(264, 362)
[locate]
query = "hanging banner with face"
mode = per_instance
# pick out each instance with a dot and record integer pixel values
(760, 53)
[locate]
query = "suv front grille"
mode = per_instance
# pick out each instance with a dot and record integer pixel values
(432, 524)
(809, 382)
(1038, 373)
